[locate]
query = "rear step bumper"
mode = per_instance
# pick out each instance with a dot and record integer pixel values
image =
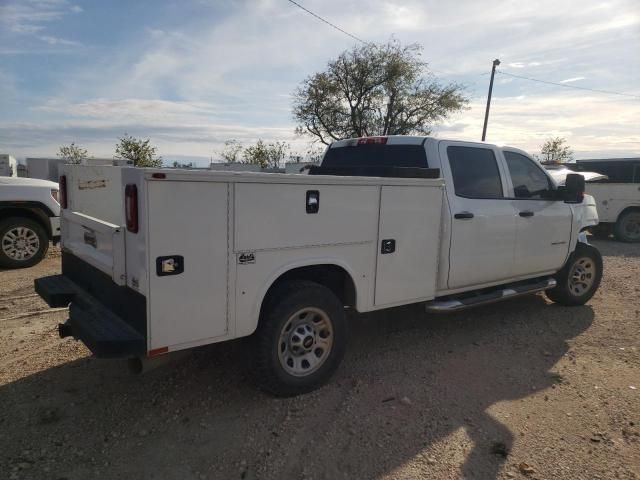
(503, 293)
(101, 330)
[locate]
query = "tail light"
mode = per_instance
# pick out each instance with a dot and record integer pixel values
(62, 194)
(372, 141)
(131, 207)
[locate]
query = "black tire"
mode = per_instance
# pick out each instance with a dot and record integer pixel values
(273, 352)
(585, 264)
(627, 228)
(8, 228)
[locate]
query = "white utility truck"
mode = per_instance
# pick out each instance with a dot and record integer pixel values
(29, 219)
(158, 260)
(617, 196)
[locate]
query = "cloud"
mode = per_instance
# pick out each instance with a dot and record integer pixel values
(28, 16)
(194, 76)
(51, 40)
(526, 122)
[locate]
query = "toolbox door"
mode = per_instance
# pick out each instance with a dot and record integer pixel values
(408, 244)
(188, 254)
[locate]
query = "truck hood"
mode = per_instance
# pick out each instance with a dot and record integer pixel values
(559, 175)
(27, 182)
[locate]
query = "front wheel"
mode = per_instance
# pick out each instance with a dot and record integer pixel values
(301, 338)
(23, 242)
(579, 278)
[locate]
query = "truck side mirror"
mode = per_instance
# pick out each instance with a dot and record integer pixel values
(574, 188)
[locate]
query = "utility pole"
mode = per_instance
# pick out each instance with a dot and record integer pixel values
(496, 62)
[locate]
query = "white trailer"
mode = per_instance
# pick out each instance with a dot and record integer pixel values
(161, 260)
(8, 166)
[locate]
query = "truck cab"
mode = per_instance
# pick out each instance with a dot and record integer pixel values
(504, 218)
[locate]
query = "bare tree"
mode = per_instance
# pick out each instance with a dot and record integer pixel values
(555, 151)
(372, 89)
(139, 151)
(267, 155)
(73, 153)
(232, 151)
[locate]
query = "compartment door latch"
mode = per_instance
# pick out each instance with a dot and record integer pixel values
(388, 246)
(170, 265)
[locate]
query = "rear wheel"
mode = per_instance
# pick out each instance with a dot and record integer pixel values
(301, 338)
(627, 227)
(23, 242)
(579, 278)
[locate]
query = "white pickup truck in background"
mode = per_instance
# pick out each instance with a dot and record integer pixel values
(29, 219)
(155, 261)
(617, 196)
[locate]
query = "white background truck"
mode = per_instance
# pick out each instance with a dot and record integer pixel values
(617, 196)
(29, 219)
(156, 261)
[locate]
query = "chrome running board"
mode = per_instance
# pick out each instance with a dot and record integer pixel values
(468, 300)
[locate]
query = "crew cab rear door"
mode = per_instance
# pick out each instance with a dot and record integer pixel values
(543, 224)
(483, 223)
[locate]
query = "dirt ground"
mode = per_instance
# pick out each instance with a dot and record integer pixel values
(523, 389)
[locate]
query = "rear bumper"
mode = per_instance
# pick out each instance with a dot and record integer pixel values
(104, 332)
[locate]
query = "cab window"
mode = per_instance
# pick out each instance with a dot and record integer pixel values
(529, 181)
(475, 172)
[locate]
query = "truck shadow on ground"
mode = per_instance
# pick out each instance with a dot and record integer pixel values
(410, 382)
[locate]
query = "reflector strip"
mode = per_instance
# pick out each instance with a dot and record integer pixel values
(157, 351)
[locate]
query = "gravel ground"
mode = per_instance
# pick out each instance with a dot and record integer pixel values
(523, 389)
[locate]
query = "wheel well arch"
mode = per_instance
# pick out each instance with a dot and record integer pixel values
(34, 214)
(335, 277)
(628, 209)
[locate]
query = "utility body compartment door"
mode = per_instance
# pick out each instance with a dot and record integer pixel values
(408, 244)
(188, 239)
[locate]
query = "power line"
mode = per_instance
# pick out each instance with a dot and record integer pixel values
(575, 87)
(328, 22)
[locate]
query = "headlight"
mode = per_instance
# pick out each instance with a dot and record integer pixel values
(54, 194)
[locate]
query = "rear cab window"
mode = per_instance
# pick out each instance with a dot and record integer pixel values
(376, 155)
(475, 172)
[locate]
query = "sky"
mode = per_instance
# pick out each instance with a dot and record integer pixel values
(191, 74)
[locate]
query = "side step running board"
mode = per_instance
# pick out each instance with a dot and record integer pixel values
(509, 291)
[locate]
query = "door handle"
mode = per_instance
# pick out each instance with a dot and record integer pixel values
(526, 214)
(463, 215)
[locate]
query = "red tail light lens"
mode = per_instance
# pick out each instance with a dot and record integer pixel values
(131, 207)
(62, 194)
(372, 141)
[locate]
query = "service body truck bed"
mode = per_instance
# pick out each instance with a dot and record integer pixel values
(155, 261)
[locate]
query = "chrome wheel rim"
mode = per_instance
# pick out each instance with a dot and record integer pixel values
(582, 276)
(305, 341)
(20, 243)
(631, 226)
